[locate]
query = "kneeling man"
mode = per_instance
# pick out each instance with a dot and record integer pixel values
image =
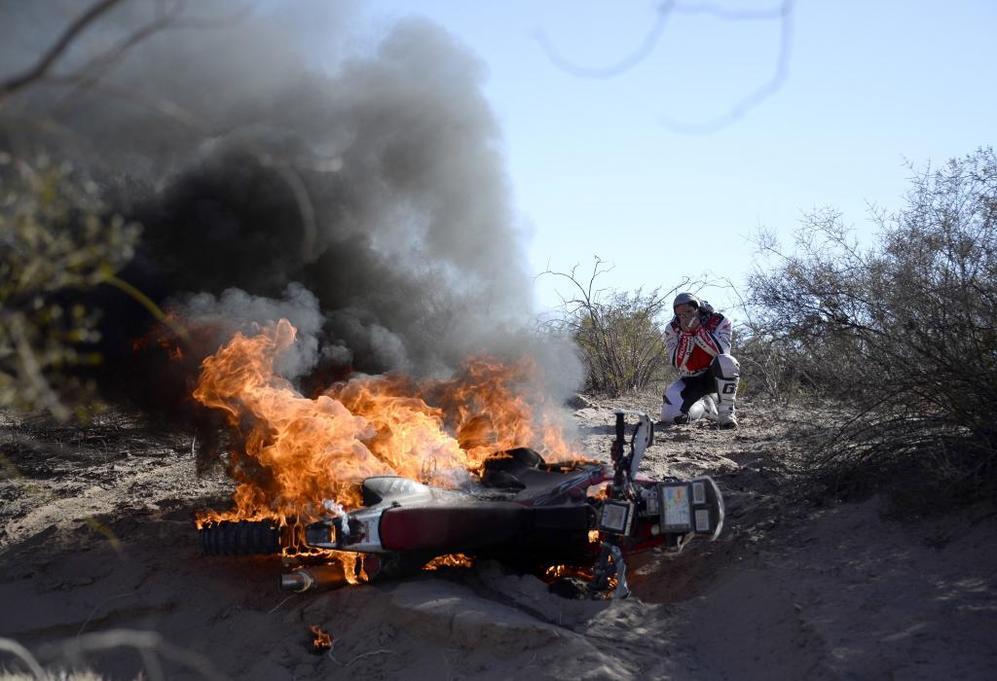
(698, 344)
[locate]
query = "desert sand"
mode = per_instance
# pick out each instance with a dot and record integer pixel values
(100, 567)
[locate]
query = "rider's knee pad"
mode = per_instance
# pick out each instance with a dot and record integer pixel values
(726, 367)
(669, 412)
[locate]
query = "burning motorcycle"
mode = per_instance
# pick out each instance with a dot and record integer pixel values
(585, 517)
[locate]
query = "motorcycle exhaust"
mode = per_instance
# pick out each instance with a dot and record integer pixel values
(312, 577)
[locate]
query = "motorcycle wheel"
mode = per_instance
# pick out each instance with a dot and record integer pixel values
(241, 538)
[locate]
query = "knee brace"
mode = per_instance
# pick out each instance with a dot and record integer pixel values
(725, 367)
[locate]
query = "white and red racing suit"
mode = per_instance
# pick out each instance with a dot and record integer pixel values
(704, 362)
(693, 352)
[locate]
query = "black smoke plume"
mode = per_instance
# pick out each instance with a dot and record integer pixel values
(364, 199)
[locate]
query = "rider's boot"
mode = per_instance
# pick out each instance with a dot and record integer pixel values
(727, 391)
(726, 372)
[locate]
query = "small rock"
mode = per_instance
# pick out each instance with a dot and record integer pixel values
(579, 401)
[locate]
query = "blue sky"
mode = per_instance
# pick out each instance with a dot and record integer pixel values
(597, 168)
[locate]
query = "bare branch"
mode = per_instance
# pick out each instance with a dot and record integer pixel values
(56, 50)
(171, 18)
(760, 94)
(96, 67)
(731, 14)
(645, 48)
(783, 13)
(168, 16)
(164, 107)
(617, 333)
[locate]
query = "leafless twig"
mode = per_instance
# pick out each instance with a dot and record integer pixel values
(96, 609)
(783, 12)
(48, 58)
(762, 92)
(171, 18)
(277, 607)
(645, 48)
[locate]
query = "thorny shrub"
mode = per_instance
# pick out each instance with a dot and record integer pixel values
(903, 334)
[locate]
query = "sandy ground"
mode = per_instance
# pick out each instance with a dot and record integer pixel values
(99, 559)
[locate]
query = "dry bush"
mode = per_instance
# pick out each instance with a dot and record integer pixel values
(620, 334)
(56, 243)
(622, 342)
(771, 369)
(903, 334)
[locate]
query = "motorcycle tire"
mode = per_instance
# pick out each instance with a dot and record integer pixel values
(243, 538)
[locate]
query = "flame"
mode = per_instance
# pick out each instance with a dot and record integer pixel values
(165, 337)
(322, 640)
(302, 451)
(489, 416)
(296, 452)
(406, 435)
(449, 560)
(600, 491)
(555, 572)
(352, 566)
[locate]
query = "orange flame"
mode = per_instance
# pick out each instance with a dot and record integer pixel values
(321, 639)
(297, 452)
(165, 337)
(488, 415)
(555, 572)
(300, 448)
(449, 560)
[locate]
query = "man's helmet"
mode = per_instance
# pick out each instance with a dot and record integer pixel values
(686, 299)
